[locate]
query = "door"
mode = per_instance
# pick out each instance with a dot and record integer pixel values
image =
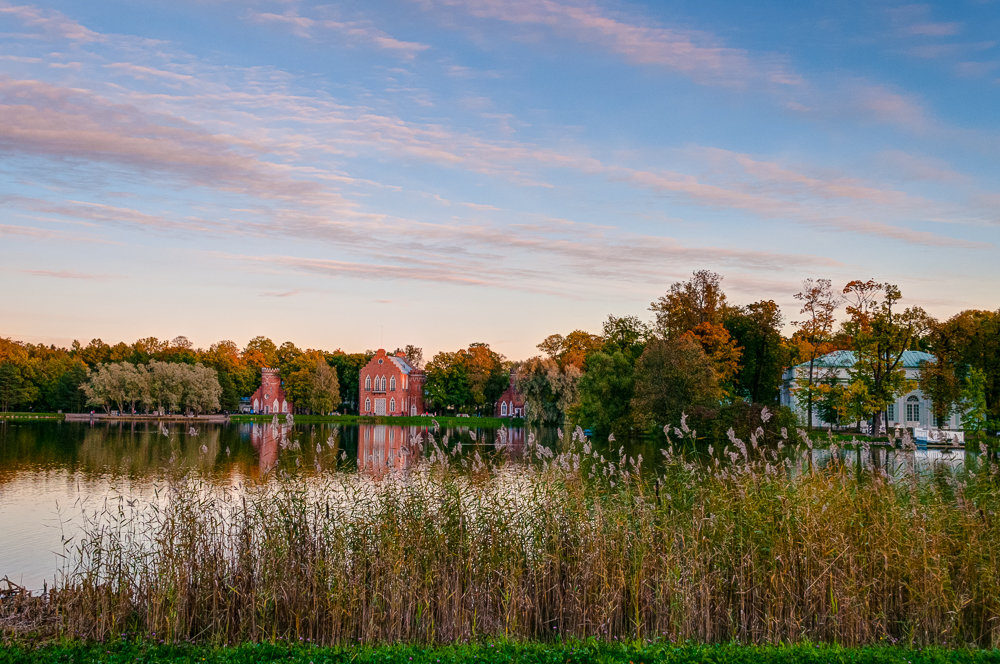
(380, 406)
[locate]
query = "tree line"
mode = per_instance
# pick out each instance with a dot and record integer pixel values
(697, 354)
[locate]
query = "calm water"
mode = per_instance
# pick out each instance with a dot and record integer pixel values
(50, 472)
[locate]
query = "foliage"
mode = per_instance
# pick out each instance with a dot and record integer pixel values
(606, 392)
(672, 376)
(549, 389)
(469, 380)
(571, 350)
(160, 386)
(881, 335)
(974, 412)
(690, 303)
(312, 384)
(814, 338)
(720, 348)
(756, 329)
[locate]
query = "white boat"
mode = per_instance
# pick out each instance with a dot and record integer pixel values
(939, 437)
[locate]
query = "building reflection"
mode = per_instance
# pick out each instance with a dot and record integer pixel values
(385, 447)
(266, 440)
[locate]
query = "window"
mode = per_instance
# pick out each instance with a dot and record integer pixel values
(368, 383)
(890, 412)
(913, 409)
(392, 384)
(383, 383)
(392, 405)
(368, 405)
(503, 409)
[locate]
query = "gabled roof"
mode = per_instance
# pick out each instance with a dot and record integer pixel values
(912, 359)
(400, 362)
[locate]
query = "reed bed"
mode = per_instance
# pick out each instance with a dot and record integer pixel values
(751, 543)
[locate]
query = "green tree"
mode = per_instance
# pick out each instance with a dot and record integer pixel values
(673, 376)
(312, 384)
(549, 390)
(606, 391)
(348, 368)
(756, 329)
(974, 410)
(447, 384)
(627, 334)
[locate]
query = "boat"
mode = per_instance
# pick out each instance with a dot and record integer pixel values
(938, 437)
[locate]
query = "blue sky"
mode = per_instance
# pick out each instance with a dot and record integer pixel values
(439, 172)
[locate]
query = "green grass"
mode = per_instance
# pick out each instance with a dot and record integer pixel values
(445, 421)
(126, 652)
(31, 416)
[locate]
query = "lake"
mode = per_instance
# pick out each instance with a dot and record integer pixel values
(51, 471)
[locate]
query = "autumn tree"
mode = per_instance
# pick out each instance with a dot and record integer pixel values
(690, 303)
(571, 350)
(260, 352)
(819, 306)
(970, 340)
(881, 334)
(721, 349)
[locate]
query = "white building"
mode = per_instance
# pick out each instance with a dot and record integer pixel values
(911, 409)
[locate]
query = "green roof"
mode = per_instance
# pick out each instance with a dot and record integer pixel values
(912, 359)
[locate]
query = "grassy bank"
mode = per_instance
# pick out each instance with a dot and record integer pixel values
(487, 653)
(427, 421)
(31, 416)
(755, 545)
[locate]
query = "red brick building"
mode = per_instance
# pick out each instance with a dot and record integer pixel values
(511, 402)
(270, 397)
(389, 385)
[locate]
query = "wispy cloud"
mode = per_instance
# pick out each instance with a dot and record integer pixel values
(49, 22)
(47, 120)
(697, 54)
(68, 274)
(359, 32)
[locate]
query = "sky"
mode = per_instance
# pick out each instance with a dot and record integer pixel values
(367, 174)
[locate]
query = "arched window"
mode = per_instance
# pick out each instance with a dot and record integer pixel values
(912, 409)
(368, 405)
(368, 383)
(392, 405)
(503, 409)
(383, 383)
(392, 384)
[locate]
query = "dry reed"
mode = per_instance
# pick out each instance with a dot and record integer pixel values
(749, 545)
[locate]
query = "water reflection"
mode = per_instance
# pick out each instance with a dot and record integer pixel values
(48, 470)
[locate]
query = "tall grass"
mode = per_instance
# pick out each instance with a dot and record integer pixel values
(747, 544)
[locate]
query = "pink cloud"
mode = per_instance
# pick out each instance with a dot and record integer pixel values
(697, 54)
(50, 22)
(67, 274)
(357, 31)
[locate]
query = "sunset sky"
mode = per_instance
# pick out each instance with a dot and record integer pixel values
(439, 172)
